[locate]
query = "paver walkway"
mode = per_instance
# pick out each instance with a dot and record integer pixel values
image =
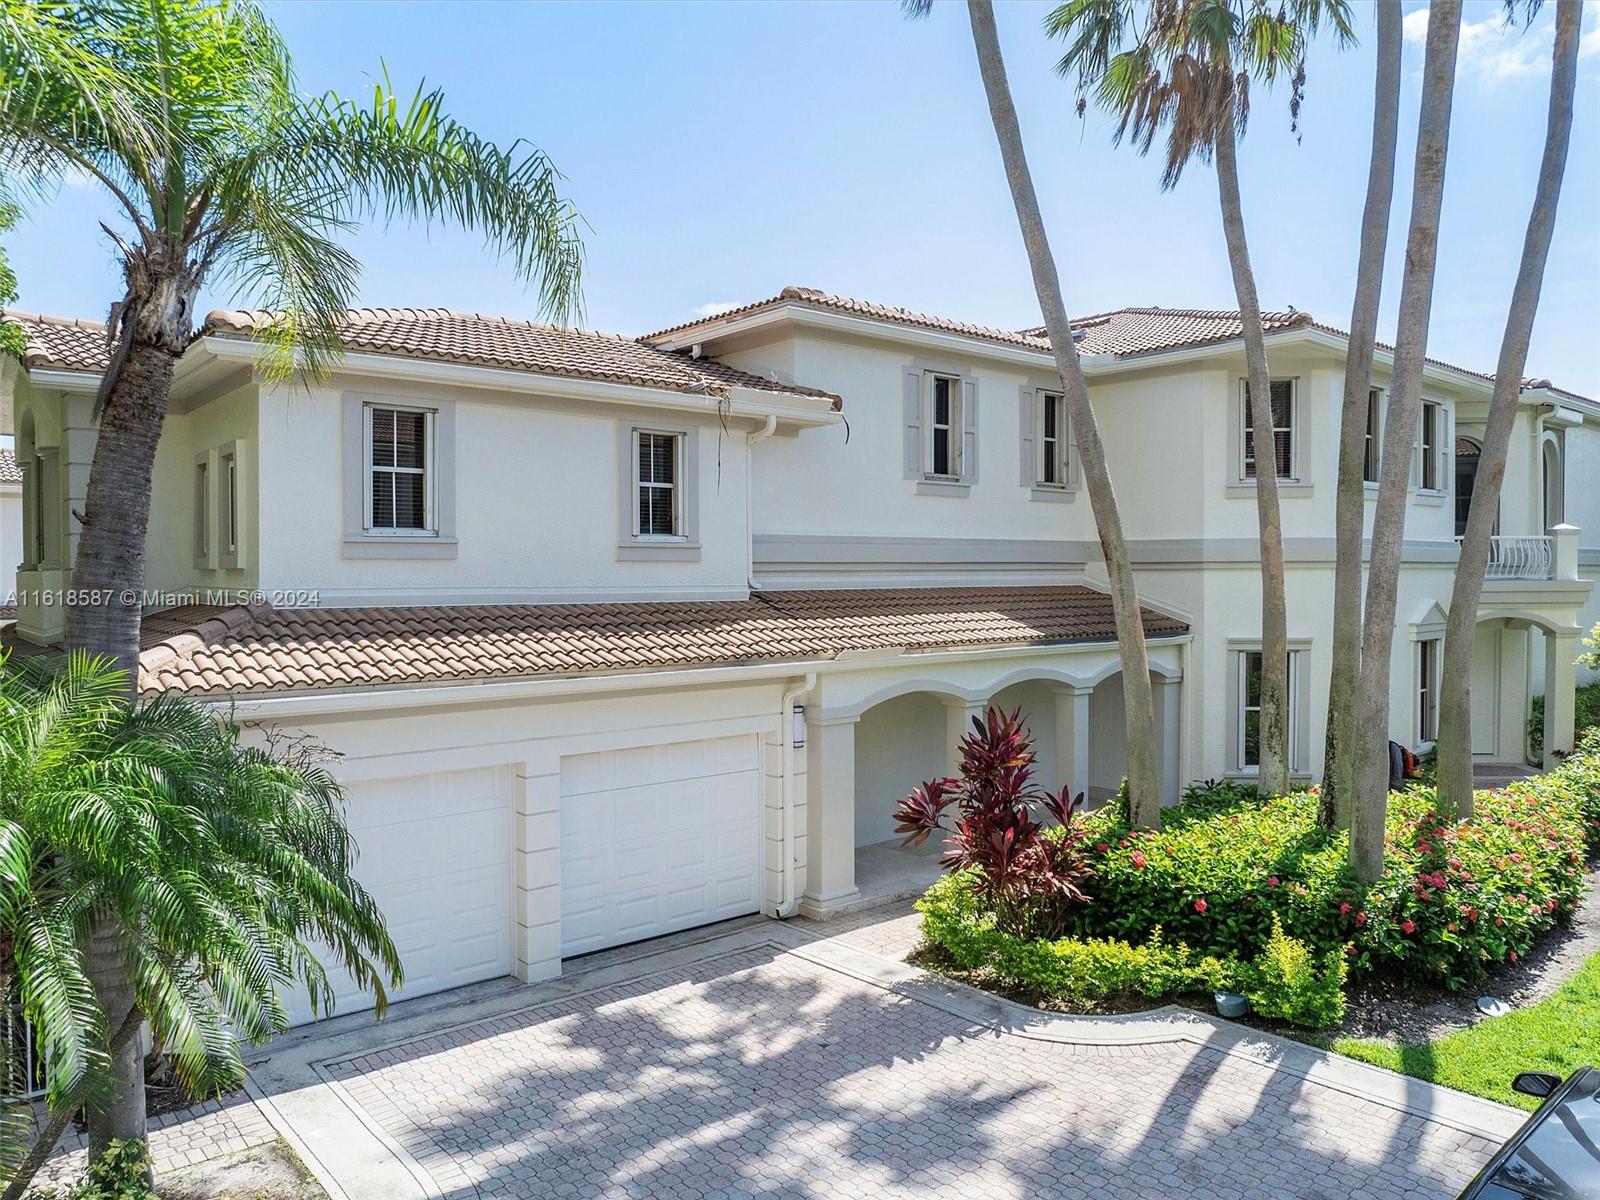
(184, 1138)
(762, 1072)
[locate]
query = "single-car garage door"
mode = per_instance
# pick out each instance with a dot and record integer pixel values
(658, 838)
(435, 852)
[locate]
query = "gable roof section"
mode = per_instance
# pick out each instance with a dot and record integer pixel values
(263, 649)
(443, 335)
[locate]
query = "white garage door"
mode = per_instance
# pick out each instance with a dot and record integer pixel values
(435, 852)
(656, 839)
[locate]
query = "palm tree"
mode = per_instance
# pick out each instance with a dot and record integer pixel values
(1342, 751)
(220, 865)
(1185, 66)
(1144, 795)
(1400, 424)
(186, 112)
(1455, 692)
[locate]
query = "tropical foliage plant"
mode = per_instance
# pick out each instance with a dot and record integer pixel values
(225, 868)
(1027, 872)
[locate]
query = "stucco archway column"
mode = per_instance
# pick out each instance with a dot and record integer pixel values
(1560, 679)
(1072, 735)
(1169, 716)
(830, 815)
(958, 717)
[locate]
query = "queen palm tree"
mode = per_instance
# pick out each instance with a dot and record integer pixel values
(1400, 423)
(187, 114)
(1455, 691)
(222, 864)
(1342, 749)
(1185, 67)
(1144, 795)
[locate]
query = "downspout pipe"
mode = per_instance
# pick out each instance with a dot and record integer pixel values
(791, 892)
(768, 428)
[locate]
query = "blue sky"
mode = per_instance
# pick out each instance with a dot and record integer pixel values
(721, 151)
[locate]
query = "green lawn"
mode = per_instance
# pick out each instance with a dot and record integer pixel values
(1559, 1035)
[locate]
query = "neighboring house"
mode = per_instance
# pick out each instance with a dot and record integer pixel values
(618, 637)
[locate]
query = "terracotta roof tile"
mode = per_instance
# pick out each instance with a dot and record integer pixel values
(260, 648)
(443, 335)
(9, 471)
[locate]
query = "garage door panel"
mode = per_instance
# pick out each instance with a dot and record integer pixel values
(434, 851)
(656, 839)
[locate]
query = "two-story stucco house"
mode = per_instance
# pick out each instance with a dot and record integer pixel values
(618, 637)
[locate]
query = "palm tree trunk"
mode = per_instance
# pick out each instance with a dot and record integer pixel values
(1273, 739)
(39, 1153)
(109, 573)
(1143, 786)
(1400, 426)
(1455, 693)
(123, 1117)
(1342, 751)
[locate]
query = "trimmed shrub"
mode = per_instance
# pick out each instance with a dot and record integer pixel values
(1081, 970)
(1586, 705)
(1289, 982)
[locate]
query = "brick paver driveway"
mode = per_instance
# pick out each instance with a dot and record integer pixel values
(766, 1071)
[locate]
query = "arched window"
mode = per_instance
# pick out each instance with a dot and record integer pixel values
(1468, 453)
(1555, 492)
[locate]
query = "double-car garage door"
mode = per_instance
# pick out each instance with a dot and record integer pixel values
(653, 839)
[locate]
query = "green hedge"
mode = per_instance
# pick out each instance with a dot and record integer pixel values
(1586, 705)
(1196, 905)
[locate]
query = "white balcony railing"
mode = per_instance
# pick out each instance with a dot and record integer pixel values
(1521, 558)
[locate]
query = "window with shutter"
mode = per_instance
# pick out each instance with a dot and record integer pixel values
(658, 509)
(1427, 690)
(1283, 451)
(399, 470)
(1052, 439)
(944, 428)
(202, 510)
(1430, 468)
(1247, 683)
(1369, 455)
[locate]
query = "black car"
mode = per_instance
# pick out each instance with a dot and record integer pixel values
(1556, 1153)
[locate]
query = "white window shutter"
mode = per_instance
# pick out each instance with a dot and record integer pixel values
(969, 431)
(1415, 480)
(1027, 407)
(912, 403)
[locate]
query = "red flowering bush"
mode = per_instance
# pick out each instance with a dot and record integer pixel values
(1028, 873)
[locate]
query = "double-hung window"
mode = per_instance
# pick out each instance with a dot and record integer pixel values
(1430, 477)
(658, 462)
(400, 470)
(1427, 690)
(1053, 441)
(1248, 691)
(1283, 448)
(944, 428)
(1369, 454)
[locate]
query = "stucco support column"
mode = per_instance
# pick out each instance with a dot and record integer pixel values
(1072, 736)
(958, 716)
(1560, 679)
(830, 816)
(1564, 551)
(1169, 697)
(536, 793)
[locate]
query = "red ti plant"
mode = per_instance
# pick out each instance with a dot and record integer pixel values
(1027, 873)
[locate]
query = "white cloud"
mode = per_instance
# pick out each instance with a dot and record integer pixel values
(715, 308)
(1494, 51)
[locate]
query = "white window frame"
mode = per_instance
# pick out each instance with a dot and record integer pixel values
(1427, 683)
(428, 471)
(205, 510)
(678, 440)
(1060, 456)
(1372, 447)
(953, 426)
(1241, 686)
(1246, 431)
(1430, 454)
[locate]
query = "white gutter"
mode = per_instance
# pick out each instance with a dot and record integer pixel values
(750, 439)
(64, 381)
(790, 903)
(740, 401)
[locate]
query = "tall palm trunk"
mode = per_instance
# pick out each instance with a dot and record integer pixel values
(1342, 751)
(1400, 428)
(1138, 712)
(1455, 692)
(124, 1117)
(1273, 729)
